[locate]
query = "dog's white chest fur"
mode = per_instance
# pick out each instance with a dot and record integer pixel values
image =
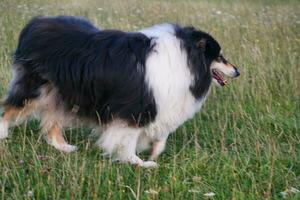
(169, 77)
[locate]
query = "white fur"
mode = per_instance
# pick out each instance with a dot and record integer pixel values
(3, 129)
(159, 30)
(226, 69)
(170, 78)
(67, 148)
(144, 143)
(120, 140)
(158, 147)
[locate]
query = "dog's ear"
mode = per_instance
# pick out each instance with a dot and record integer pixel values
(201, 44)
(209, 46)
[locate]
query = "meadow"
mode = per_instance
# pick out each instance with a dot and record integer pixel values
(244, 144)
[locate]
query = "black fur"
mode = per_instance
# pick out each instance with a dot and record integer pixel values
(199, 57)
(100, 72)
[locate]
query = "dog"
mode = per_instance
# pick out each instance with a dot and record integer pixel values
(138, 87)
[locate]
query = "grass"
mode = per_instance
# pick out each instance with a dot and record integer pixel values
(244, 144)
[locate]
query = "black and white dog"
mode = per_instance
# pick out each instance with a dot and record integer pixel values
(138, 87)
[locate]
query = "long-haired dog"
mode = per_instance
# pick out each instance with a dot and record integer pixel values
(138, 86)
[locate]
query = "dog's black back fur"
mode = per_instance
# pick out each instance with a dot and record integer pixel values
(100, 72)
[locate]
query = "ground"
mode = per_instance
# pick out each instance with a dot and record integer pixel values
(244, 144)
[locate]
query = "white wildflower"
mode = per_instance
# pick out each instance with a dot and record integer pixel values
(209, 194)
(218, 12)
(196, 178)
(30, 193)
(151, 191)
(284, 194)
(294, 190)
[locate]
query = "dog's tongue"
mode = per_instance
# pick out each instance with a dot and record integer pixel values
(219, 78)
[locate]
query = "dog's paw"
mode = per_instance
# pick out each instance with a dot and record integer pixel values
(136, 161)
(3, 129)
(67, 148)
(149, 164)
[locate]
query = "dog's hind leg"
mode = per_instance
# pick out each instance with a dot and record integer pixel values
(21, 97)
(53, 119)
(12, 113)
(120, 140)
(55, 138)
(4, 124)
(52, 127)
(6, 117)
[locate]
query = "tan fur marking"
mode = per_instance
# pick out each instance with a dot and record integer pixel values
(228, 65)
(55, 134)
(10, 112)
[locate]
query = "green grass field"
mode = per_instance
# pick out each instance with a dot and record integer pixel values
(244, 144)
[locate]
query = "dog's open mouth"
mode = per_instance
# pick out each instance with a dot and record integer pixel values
(218, 77)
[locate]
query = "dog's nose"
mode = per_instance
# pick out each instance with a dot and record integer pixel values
(237, 73)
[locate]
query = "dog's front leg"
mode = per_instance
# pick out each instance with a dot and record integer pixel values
(120, 140)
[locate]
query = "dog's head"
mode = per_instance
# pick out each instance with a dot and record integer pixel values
(221, 66)
(210, 52)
